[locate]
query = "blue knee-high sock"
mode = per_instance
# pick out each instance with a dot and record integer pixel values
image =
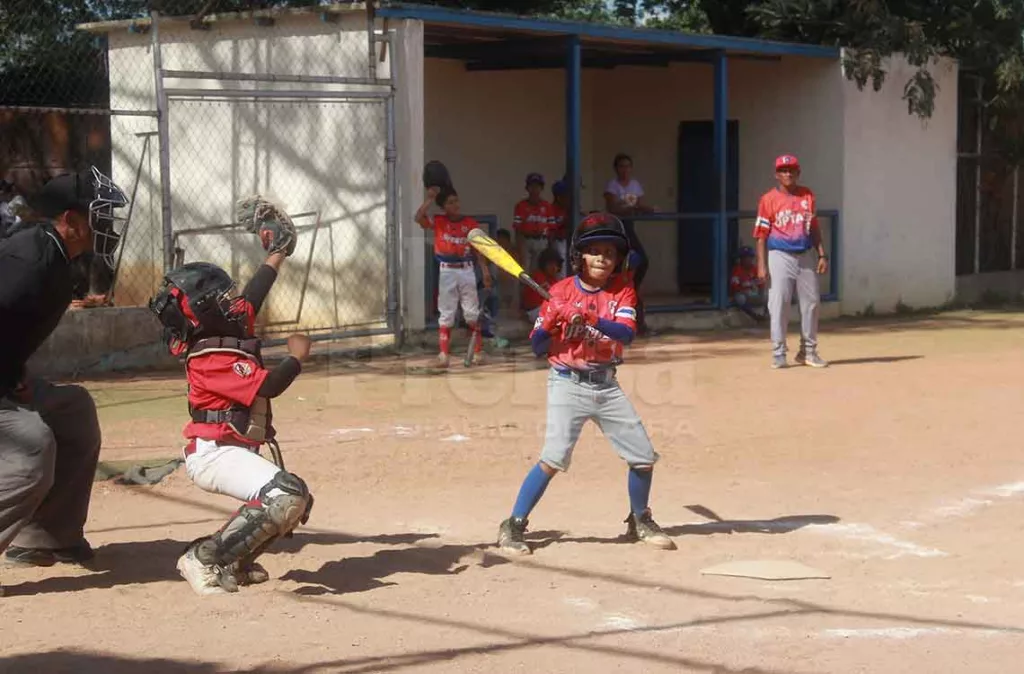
(639, 489)
(529, 494)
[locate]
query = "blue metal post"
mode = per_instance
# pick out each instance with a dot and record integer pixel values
(573, 88)
(720, 296)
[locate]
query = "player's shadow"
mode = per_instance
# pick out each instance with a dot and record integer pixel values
(361, 574)
(80, 662)
(717, 525)
(875, 359)
(139, 562)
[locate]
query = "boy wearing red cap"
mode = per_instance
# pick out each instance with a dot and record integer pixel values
(787, 232)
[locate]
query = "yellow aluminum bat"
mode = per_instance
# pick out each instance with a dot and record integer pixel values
(493, 251)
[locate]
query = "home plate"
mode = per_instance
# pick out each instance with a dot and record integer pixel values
(765, 570)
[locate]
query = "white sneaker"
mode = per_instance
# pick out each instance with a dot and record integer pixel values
(442, 360)
(205, 580)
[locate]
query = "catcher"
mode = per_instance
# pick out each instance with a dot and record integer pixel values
(229, 393)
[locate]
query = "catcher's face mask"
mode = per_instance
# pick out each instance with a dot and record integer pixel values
(107, 226)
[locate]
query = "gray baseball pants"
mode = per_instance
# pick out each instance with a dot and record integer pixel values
(786, 270)
(49, 448)
(571, 403)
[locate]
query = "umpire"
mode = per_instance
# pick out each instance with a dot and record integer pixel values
(49, 434)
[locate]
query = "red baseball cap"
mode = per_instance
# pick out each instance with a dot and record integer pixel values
(787, 161)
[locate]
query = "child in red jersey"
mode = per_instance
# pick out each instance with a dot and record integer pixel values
(548, 272)
(456, 283)
(746, 288)
(229, 394)
(582, 329)
(532, 220)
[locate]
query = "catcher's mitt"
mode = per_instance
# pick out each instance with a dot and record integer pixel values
(270, 223)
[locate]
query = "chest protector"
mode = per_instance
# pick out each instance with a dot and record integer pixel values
(252, 422)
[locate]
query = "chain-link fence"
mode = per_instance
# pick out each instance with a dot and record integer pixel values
(196, 110)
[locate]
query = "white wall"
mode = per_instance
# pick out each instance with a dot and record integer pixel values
(491, 128)
(322, 155)
(899, 183)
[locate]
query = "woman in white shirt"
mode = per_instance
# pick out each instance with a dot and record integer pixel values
(624, 196)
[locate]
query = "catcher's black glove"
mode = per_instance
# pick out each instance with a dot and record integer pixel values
(270, 223)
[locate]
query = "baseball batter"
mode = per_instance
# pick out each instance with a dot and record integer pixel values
(229, 394)
(582, 329)
(457, 276)
(787, 232)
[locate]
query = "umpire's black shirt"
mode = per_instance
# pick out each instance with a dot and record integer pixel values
(35, 291)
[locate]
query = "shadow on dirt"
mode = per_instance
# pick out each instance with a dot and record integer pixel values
(79, 662)
(140, 562)
(360, 574)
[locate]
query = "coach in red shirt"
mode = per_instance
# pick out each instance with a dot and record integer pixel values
(790, 253)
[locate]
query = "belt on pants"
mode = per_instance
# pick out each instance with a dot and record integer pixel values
(455, 265)
(190, 448)
(597, 376)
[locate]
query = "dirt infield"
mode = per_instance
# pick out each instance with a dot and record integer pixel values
(899, 472)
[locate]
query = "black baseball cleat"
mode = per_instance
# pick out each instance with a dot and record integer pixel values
(81, 553)
(644, 529)
(512, 536)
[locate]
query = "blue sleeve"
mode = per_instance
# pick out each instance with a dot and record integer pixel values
(620, 332)
(540, 341)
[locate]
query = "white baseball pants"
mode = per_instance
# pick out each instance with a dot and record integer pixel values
(457, 285)
(231, 470)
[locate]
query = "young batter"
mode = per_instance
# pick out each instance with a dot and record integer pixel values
(457, 277)
(582, 330)
(229, 392)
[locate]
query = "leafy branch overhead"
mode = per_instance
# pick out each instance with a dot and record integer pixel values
(43, 60)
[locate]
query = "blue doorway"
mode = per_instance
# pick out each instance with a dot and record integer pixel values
(698, 193)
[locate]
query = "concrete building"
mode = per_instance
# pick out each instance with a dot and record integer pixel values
(335, 110)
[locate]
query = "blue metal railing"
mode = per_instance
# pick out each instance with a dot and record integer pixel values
(431, 269)
(719, 247)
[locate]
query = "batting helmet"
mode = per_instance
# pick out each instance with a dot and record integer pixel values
(599, 227)
(196, 301)
(745, 251)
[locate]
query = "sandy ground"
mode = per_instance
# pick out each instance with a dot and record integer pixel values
(898, 472)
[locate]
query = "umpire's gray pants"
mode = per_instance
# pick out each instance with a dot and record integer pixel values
(49, 448)
(784, 271)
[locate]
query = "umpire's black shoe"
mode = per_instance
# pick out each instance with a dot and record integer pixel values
(75, 554)
(512, 536)
(644, 529)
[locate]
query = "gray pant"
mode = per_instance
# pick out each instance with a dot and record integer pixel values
(49, 448)
(572, 403)
(784, 271)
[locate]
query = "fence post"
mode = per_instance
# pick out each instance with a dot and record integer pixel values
(163, 129)
(393, 232)
(1013, 230)
(977, 184)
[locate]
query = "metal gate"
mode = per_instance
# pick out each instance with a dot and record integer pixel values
(320, 146)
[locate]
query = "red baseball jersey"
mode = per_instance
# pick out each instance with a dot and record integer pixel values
(787, 219)
(531, 298)
(615, 302)
(451, 240)
(533, 219)
(559, 227)
(744, 279)
(216, 381)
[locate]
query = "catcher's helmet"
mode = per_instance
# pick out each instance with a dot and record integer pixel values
(196, 301)
(90, 193)
(599, 227)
